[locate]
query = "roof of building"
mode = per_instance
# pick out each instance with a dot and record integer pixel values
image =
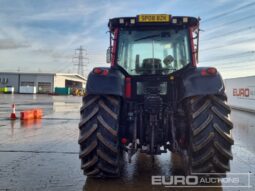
(48, 73)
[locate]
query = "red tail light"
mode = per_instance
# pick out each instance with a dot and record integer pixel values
(97, 70)
(128, 87)
(203, 72)
(123, 140)
(105, 72)
(209, 71)
(101, 71)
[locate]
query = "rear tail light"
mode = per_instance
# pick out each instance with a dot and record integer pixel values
(124, 140)
(101, 71)
(97, 71)
(128, 87)
(209, 71)
(105, 72)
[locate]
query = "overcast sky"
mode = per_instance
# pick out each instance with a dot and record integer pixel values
(41, 35)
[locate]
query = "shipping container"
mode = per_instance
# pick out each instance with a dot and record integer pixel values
(2, 90)
(7, 90)
(27, 89)
(241, 93)
(62, 91)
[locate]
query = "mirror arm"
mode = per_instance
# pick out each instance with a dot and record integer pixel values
(110, 45)
(198, 32)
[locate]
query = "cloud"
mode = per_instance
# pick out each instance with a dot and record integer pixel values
(12, 44)
(44, 34)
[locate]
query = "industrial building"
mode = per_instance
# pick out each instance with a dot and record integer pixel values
(40, 82)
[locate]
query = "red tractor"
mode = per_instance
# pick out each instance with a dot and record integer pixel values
(153, 99)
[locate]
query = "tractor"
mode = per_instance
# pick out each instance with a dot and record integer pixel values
(154, 99)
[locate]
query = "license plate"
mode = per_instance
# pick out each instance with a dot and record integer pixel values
(153, 18)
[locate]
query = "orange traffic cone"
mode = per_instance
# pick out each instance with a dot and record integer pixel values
(13, 114)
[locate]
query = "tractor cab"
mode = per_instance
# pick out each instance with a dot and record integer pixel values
(153, 44)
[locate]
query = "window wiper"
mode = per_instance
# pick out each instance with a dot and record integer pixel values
(162, 69)
(148, 37)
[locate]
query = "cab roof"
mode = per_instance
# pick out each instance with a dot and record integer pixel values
(153, 20)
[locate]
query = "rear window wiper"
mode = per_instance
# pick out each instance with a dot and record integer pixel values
(162, 69)
(148, 37)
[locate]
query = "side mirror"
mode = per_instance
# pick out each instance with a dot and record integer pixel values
(108, 55)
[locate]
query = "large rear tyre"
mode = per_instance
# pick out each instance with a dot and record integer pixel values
(99, 143)
(210, 138)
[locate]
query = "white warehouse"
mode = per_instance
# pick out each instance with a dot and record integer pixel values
(241, 93)
(41, 82)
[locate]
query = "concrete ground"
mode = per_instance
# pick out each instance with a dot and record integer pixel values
(43, 154)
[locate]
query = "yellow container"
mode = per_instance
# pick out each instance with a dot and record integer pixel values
(5, 90)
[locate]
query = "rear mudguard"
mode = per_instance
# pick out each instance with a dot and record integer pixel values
(110, 84)
(194, 83)
(191, 83)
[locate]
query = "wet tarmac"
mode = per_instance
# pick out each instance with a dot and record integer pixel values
(43, 154)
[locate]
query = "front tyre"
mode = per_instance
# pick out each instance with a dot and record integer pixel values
(210, 138)
(99, 143)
